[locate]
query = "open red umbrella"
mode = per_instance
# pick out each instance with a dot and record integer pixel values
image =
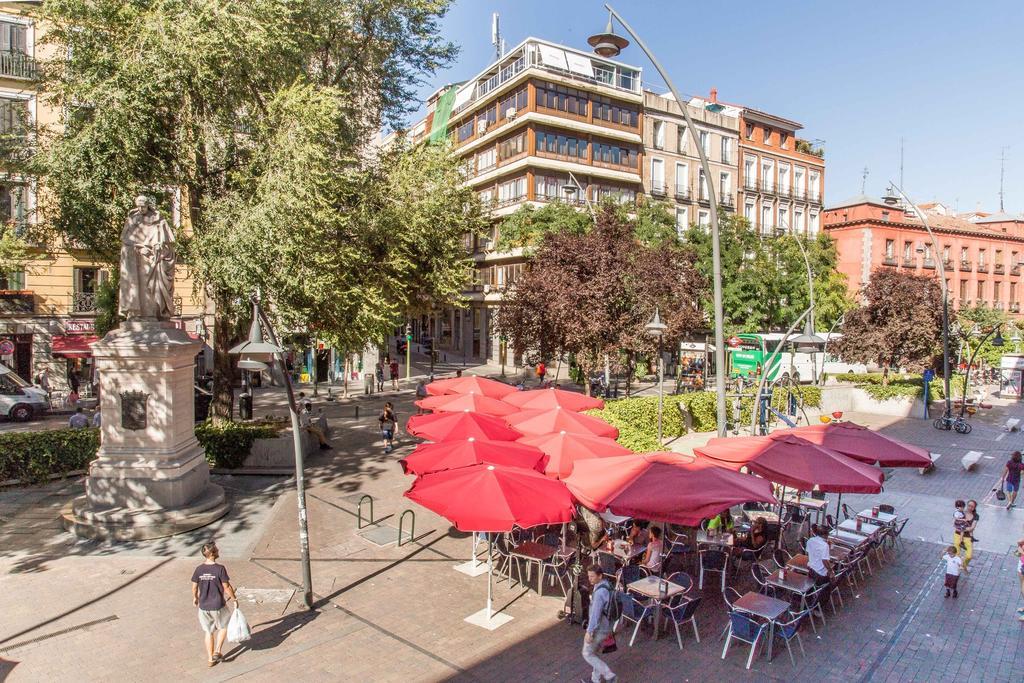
(663, 487)
(449, 455)
(538, 399)
(493, 498)
(863, 444)
(460, 426)
(792, 461)
(536, 422)
(564, 449)
(470, 384)
(475, 403)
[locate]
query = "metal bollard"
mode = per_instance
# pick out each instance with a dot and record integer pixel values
(359, 511)
(412, 526)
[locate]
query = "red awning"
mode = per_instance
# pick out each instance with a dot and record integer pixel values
(73, 346)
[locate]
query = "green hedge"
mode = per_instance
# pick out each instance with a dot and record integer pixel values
(31, 457)
(227, 445)
(910, 385)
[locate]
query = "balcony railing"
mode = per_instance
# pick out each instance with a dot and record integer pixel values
(83, 302)
(947, 264)
(783, 191)
(982, 267)
(999, 269)
(658, 189)
(965, 266)
(727, 200)
(909, 262)
(15, 302)
(682, 192)
(17, 65)
(1014, 270)
(889, 261)
(1015, 308)
(814, 198)
(929, 263)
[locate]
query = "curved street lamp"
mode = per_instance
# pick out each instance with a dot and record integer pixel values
(609, 44)
(803, 342)
(997, 342)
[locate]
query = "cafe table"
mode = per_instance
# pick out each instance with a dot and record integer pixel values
(535, 553)
(765, 607)
(794, 582)
(651, 587)
(723, 540)
(847, 538)
(866, 528)
(880, 518)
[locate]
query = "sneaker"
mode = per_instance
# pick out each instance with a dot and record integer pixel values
(1020, 610)
(947, 592)
(955, 594)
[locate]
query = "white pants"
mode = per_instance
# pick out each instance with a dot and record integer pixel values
(590, 650)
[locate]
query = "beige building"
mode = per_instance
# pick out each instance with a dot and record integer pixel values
(672, 170)
(48, 307)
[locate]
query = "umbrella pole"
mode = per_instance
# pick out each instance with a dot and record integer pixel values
(839, 502)
(490, 568)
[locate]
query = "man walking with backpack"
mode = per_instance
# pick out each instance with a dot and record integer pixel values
(603, 606)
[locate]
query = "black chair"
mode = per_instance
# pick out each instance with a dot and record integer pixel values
(713, 560)
(682, 579)
(608, 562)
(630, 573)
(781, 557)
(761, 575)
(682, 610)
(846, 512)
(887, 509)
(897, 536)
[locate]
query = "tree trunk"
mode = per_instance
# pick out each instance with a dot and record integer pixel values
(346, 370)
(630, 371)
(885, 375)
(222, 406)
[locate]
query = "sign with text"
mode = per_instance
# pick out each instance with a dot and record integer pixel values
(82, 326)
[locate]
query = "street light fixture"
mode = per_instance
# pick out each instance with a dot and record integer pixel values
(609, 44)
(255, 354)
(656, 328)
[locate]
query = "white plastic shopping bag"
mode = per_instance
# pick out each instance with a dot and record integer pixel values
(238, 627)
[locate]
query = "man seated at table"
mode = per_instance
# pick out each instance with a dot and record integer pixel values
(819, 564)
(722, 523)
(638, 535)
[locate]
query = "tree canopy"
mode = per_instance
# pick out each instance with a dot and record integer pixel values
(899, 325)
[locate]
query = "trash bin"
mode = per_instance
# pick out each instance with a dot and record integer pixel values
(245, 406)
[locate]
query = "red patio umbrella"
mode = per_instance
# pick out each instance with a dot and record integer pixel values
(792, 461)
(863, 444)
(538, 399)
(564, 449)
(449, 455)
(470, 384)
(475, 403)
(663, 487)
(536, 422)
(460, 426)
(493, 498)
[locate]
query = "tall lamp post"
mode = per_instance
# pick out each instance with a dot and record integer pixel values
(912, 210)
(609, 44)
(656, 328)
(998, 341)
(255, 354)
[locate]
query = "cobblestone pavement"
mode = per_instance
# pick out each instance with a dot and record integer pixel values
(92, 611)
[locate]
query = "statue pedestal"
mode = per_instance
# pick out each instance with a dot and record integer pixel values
(150, 478)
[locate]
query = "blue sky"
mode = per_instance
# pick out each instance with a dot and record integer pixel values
(947, 77)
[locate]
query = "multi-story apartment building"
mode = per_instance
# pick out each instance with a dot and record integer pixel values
(545, 122)
(781, 178)
(982, 259)
(48, 307)
(673, 172)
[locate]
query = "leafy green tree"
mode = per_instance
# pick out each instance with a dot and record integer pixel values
(259, 113)
(764, 279)
(972, 324)
(899, 325)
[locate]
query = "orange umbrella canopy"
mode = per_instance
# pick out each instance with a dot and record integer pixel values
(539, 399)
(787, 459)
(536, 422)
(470, 384)
(449, 455)
(564, 449)
(460, 427)
(474, 403)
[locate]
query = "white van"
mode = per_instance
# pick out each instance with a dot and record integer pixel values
(19, 400)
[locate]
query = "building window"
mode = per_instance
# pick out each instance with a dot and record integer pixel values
(703, 218)
(748, 212)
(963, 291)
(512, 147)
(798, 220)
(945, 254)
(890, 249)
(812, 227)
(512, 191)
(1013, 292)
(996, 291)
(682, 138)
(908, 252)
(658, 176)
(515, 102)
(13, 37)
(813, 185)
(767, 174)
(619, 194)
(682, 220)
(750, 173)
(13, 205)
(13, 117)
(613, 154)
(799, 175)
(682, 180)
(622, 115)
(705, 143)
(783, 177)
(486, 160)
(562, 145)
(981, 294)
(702, 185)
(12, 280)
(1014, 263)
(659, 135)
(465, 131)
(766, 218)
(726, 150)
(783, 140)
(998, 261)
(981, 258)
(550, 187)
(965, 255)
(784, 219)
(724, 185)
(766, 134)
(750, 131)
(559, 98)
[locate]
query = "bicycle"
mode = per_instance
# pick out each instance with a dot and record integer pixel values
(958, 424)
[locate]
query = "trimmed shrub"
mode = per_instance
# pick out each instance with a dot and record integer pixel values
(227, 445)
(31, 457)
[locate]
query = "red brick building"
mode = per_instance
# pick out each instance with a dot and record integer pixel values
(982, 258)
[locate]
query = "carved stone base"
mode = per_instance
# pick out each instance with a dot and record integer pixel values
(136, 524)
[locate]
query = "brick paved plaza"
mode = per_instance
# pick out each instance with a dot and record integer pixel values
(75, 610)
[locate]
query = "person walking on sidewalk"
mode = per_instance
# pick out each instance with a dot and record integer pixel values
(599, 626)
(971, 517)
(210, 585)
(1020, 574)
(388, 422)
(953, 565)
(1011, 478)
(394, 374)
(421, 393)
(380, 376)
(542, 370)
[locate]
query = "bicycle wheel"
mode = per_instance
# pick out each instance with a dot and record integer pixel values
(962, 427)
(941, 423)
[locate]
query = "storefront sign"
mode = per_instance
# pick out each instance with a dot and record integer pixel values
(83, 326)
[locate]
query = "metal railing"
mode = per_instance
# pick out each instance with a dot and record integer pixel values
(83, 302)
(982, 267)
(15, 64)
(999, 269)
(929, 263)
(682, 192)
(909, 262)
(965, 266)
(659, 189)
(889, 261)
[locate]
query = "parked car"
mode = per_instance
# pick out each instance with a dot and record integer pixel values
(19, 400)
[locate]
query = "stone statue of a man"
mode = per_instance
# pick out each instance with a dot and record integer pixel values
(147, 264)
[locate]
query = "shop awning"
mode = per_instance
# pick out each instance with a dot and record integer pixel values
(73, 346)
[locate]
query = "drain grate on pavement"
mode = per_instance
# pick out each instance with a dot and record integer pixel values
(381, 534)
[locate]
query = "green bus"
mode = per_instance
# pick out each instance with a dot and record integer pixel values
(747, 359)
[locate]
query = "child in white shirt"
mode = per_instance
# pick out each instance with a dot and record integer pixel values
(953, 565)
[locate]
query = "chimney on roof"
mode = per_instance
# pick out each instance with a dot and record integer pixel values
(714, 95)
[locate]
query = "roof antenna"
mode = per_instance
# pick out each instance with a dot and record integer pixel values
(496, 40)
(1002, 174)
(864, 180)
(901, 161)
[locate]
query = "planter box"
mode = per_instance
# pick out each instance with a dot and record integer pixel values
(279, 452)
(849, 398)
